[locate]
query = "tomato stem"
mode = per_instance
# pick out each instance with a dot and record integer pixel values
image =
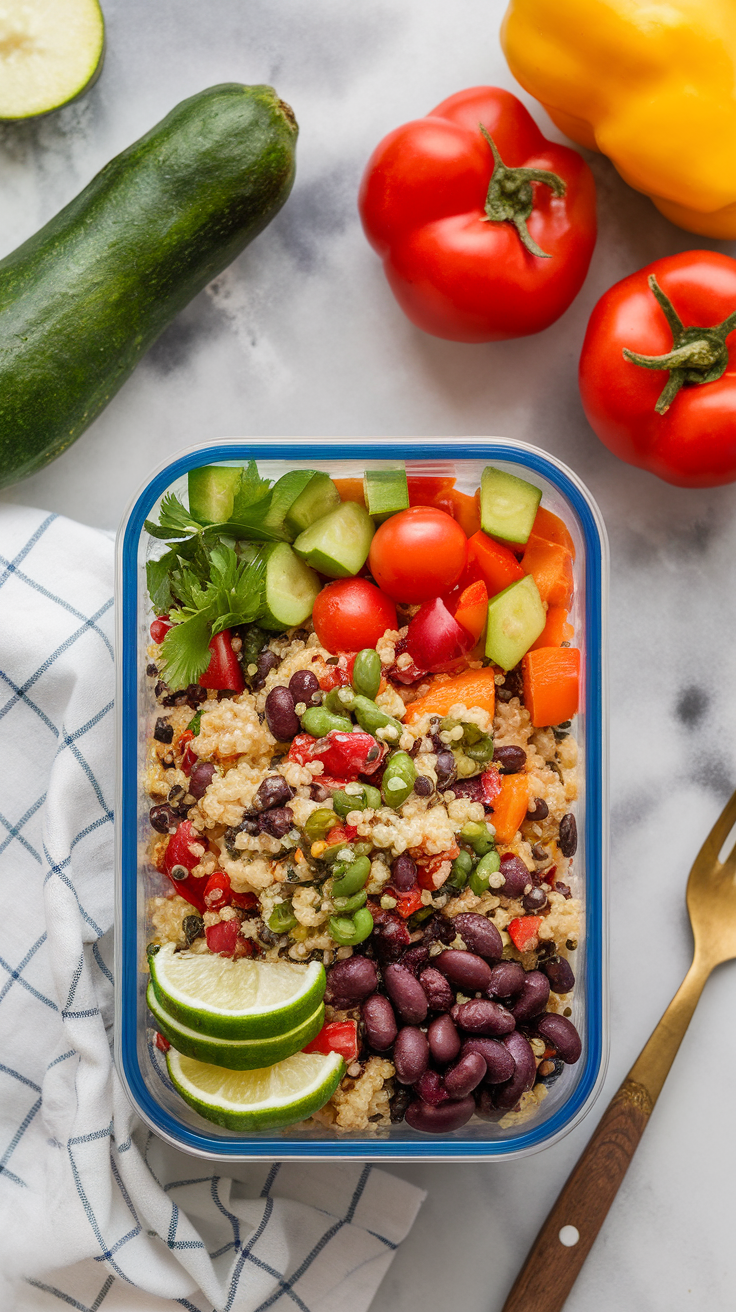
(510, 197)
(698, 355)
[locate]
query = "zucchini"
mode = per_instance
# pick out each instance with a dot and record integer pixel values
(82, 300)
(49, 54)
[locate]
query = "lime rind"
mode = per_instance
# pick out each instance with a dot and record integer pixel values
(222, 998)
(235, 1103)
(234, 1054)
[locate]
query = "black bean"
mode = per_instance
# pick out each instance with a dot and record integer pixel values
(549, 1070)
(538, 810)
(507, 979)
(274, 791)
(164, 730)
(319, 793)
(380, 1022)
(562, 1035)
(498, 1059)
(510, 760)
(399, 1102)
(200, 779)
(468, 971)
(534, 901)
(163, 819)
(540, 853)
(480, 935)
(465, 1075)
(423, 786)
(533, 997)
(351, 981)
(445, 769)
(195, 695)
(304, 687)
(265, 662)
(443, 1039)
(515, 876)
(283, 720)
(406, 993)
(440, 996)
(151, 670)
(193, 927)
(564, 889)
(439, 1120)
(482, 1016)
(411, 1054)
(403, 873)
(277, 822)
(568, 835)
(559, 972)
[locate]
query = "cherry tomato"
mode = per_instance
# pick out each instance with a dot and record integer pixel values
(224, 669)
(159, 628)
(351, 614)
(417, 554)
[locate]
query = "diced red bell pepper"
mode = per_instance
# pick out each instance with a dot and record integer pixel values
(217, 891)
(405, 673)
(341, 834)
(223, 936)
(159, 628)
(491, 783)
(246, 901)
(434, 638)
(188, 757)
(344, 755)
(406, 902)
(524, 932)
(428, 871)
(162, 1044)
(224, 671)
(180, 857)
(470, 608)
(336, 1036)
(426, 491)
(334, 676)
(463, 508)
(388, 925)
(494, 563)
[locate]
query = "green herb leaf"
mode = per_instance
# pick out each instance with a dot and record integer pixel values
(251, 489)
(158, 578)
(175, 516)
(186, 649)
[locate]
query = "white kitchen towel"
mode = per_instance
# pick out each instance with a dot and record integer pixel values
(95, 1212)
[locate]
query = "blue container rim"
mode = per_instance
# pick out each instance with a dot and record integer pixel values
(200, 1143)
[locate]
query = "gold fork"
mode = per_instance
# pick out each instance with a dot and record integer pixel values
(567, 1236)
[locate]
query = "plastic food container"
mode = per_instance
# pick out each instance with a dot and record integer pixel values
(137, 1059)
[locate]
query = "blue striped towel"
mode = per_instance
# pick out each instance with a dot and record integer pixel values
(94, 1210)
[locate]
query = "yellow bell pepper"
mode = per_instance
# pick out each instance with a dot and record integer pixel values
(651, 85)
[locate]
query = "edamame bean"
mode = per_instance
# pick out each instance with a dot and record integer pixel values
(398, 779)
(480, 879)
(481, 750)
(371, 718)
(367, 672)
(282, 918)
(347, 905)
(354, 878)
(348, 932)
(344, 802)
(478, 836)
(339, 700)
(318, 824)
(318, 721)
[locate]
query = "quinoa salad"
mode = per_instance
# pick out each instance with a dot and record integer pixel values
(385, 786)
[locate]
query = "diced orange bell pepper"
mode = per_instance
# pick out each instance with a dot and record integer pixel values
(510, 807)
(552, 529)
(551, 684)
(350, 489)
(472, 688)
(464, 509)
(524, 932)
(472, 608)
(556, 630)
(497, 565)
(550, 565)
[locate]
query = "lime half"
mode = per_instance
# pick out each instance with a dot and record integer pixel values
(257, 1100)
(242, 999)
(236, 1054)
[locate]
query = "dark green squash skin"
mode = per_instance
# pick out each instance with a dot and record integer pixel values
(83, 299)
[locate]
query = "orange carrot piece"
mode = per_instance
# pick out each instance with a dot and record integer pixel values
(551, 685)
(552, 529)
(472, 608)
(494, 563)
(472, 688)
(350, 489)
(550, 565)
(464, 509)
(556, 630)
(510, 807)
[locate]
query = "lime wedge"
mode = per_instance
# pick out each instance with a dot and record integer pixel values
(236, 1054)
(241, 999)
(257, 1100)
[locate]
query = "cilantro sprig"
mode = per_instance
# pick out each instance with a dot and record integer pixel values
(233, 594)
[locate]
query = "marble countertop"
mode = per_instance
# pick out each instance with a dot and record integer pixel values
(301, 336)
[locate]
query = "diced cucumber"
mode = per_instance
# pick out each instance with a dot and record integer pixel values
(386, 492)
(508, 505)
(291, 588)
(318, 497)
(211, 492)
(338, 544)
(516, 618)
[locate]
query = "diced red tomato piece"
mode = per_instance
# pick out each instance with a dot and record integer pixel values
(524, 932)
(429, 872)
(179, 858)
(159, 628)
(336, 1036)
(341, 834)
(217, 892)
(344, 755)
(246, 901)
(406, 902)
(224, 671)
(223, 936)
(426, 491)
(162, 1044)
(188, 757)
(492, 785)
(334, 676)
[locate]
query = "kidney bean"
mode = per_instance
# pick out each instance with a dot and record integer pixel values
(274, 791)
(276, 822)
(538, 810)
(484, 1106)
(411, 1054)
(561, 1034)
(510, 760)
(445, 769)
(472, 788)
(568, 835)
(469, 972)
(430, 1088)
(200, 779)
(534, 901)
(304, 687)
(318, 792)
(380, 1022)
(439, 994)
(439, 927)
(559, 972)
(465, 1075)
(480, 934)
(415, 958)
(506, 1096)
(515, 876)
(280, 714)
(406, 993)
(482, 1017)
(403, 873)
(443, 1039)
(351, 981)
(163, 819)
(439, 1120)
(533, 996)
(265, 662)
(498, 1060)
(507, 979)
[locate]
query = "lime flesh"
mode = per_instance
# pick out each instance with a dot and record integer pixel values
(235, 1054)
(257, 1100)
(49, 54)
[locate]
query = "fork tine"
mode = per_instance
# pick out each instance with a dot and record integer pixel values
(719, 833)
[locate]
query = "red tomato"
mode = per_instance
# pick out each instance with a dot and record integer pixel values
(159, 628)
(224, 670)
(336, 1036)
(435, 641)
(452, 236)
(417, 554)
(350, 614)
(691, 439)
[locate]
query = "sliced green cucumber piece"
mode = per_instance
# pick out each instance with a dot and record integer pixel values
(338, 544)
(49, 54)
(317, 499)
(291, 588)
(508, 505)
(516, 618)
(211, 492)
(386, 492)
